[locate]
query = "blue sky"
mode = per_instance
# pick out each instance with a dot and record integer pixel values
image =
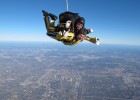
(113, 21)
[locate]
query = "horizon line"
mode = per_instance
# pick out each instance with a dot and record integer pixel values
(17, 41)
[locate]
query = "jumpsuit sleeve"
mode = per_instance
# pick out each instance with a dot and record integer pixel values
(86, 31)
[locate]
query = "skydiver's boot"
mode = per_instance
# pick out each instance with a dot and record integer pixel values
(53, 17)
(45, 13)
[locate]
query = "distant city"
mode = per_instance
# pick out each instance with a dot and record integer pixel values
(41, 71)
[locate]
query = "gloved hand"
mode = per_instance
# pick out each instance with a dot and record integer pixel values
(68, 24)
(80, 37)
(90, 30)
(66, 33)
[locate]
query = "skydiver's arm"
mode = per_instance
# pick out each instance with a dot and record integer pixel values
(87, 31)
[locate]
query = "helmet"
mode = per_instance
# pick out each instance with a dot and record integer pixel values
(80, 20)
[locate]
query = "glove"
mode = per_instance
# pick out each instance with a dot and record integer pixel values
(68, 24)
(80, 37)
(90, 30)
(66, 33)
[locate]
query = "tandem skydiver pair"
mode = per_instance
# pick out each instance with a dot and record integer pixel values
(70, 30)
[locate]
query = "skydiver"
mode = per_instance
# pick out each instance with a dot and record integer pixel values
(80, 31)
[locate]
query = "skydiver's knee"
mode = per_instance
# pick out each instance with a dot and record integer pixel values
(51, 29)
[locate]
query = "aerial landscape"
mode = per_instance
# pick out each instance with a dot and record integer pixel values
(38, 63)
(39, 71)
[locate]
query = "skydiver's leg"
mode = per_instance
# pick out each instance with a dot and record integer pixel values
(49, 25)
(53, 19)
(52, 34)
(46, 19)
(47, 22)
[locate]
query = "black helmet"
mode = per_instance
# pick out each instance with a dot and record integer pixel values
(80, 20)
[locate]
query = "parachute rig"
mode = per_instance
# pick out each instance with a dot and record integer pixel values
(65, 31)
